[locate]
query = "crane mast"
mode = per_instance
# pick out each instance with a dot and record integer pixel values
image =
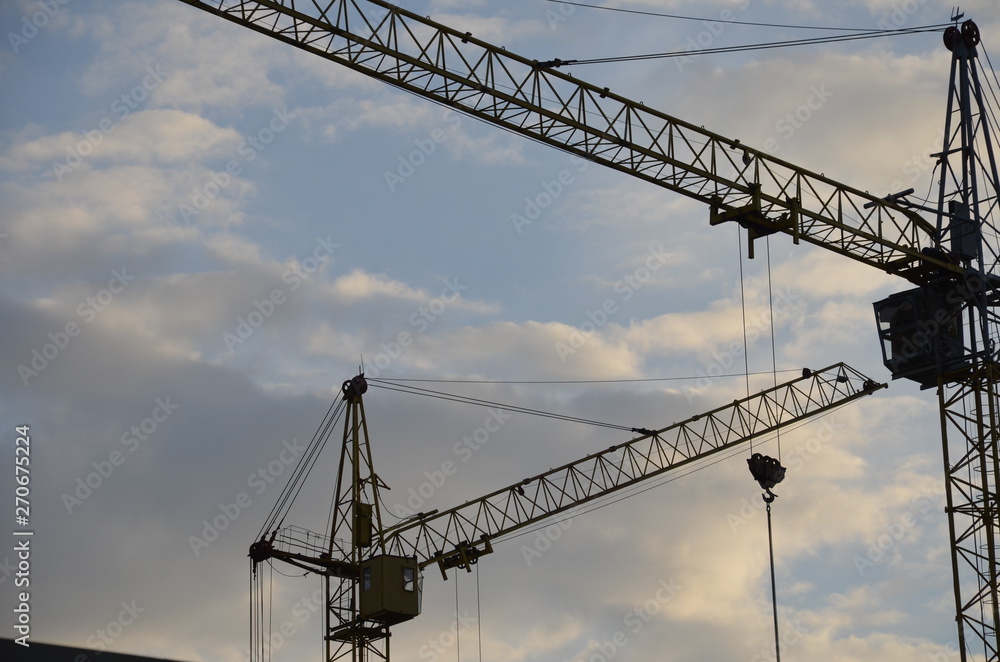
(941, 335)
(969, 396)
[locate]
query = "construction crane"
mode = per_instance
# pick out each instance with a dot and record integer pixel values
(372, 574)
(941, 334)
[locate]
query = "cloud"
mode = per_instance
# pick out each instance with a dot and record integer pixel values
(208, 63)
(425, 128)
(167, 137)
(496, 30)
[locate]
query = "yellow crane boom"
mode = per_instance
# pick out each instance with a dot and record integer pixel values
(447, 66)
(458, 536)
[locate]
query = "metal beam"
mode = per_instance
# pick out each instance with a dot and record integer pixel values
(465, 532)
(457, 70)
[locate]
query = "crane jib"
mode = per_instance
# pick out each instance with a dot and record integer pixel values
(454, 537)
(456, 69)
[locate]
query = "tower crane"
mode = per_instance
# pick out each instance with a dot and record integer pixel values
(372, 574)
(941, 333)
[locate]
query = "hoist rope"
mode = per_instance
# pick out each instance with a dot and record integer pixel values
(260, 627)
(253, 615)
(774, 590)
(261, 632)
(770, 309)
(743, 308)
(479, 615)
(270, 608)
(458, 633)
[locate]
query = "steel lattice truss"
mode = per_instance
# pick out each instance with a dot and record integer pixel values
(451, 537)
(530, 98)
(969, 400)
(970, 413)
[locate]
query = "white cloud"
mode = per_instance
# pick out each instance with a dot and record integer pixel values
(148, 136)
(424, 127)
(208, 63)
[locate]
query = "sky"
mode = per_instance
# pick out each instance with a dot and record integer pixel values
(204, 232)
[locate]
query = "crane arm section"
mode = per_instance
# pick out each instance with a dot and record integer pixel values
(457, 537)
(763, 193)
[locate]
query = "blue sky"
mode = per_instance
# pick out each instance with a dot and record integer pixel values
(167, 177)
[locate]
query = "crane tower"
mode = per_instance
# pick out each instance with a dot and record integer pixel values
(371, 574)
(943, 335)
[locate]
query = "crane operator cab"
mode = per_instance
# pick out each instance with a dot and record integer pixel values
(390, 589)
(921, 334)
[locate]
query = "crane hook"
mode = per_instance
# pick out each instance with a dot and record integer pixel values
(768, 472)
